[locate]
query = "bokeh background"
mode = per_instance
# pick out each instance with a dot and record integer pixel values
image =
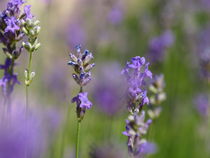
(173, 35)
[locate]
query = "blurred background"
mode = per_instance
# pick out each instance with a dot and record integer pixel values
(173, 35)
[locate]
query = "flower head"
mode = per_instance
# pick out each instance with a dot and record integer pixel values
(82, 66)
(82, 101)
(158, 46)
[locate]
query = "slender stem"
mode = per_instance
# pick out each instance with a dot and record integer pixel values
(27, 86)
(78, 136)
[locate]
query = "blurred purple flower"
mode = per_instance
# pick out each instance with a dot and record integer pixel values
(11, 25)
(9, 80)
(76, 34)
(115, 16)
(147, 148)
(109, 90)
(27, 11)
(202, 104)
(21, 135)
(158, 46)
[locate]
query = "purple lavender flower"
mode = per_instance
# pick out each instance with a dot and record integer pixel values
(27, 11)
(137, 73)
(158, 46)
(11, 25)
(82, 66)
(82, 101)
(202, 104)
(136, 128)
(9, 80)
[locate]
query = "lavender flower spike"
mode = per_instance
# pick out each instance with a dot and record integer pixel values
(82, 75)
(137, 73)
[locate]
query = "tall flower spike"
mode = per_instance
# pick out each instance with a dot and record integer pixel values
(137, 74)
(10, 35)
(82, 75)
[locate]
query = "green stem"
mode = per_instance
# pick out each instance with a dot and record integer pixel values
(78, 136)
(27, 86)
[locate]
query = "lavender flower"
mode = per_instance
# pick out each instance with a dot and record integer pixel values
(82, 66)
(10, 35)
(27, 11)
(137, 73)
(82, 104)
(82, 75)
(9, 80)
(136, 128)
(12, 25)
(158, 46)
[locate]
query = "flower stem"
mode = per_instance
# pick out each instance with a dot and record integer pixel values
(27, 86)
(78, 136)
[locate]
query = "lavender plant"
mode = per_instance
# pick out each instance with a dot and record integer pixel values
(158, 46)
(10, 36)
(31, 28)
(82, 75)
(137, 74)
(15, 25)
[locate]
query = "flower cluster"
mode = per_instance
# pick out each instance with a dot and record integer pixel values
(158, 95)
(137, 75)
(10, 35)
(13, 22)
(158, 46)
(82, 75)
(136, 128)
(31, 29)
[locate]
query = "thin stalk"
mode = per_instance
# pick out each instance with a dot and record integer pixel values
(27, 86)
(78, 131)
(78, 137)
